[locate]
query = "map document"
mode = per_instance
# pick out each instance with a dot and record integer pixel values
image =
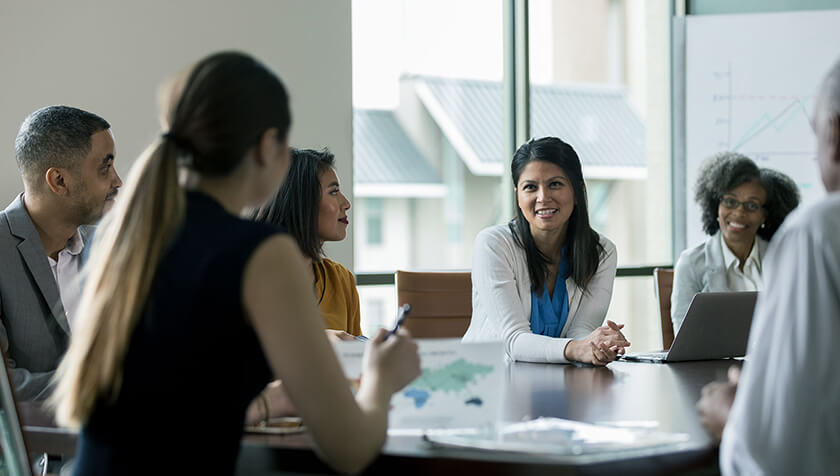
(460, 387)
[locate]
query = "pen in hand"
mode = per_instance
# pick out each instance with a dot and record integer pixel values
(401, 315)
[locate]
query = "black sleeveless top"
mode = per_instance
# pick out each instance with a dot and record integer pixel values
(194, 362)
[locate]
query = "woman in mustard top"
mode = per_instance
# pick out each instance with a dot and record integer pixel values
(311, 207)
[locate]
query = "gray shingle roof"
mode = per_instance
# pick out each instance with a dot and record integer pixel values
(384, 154)
(597, 121)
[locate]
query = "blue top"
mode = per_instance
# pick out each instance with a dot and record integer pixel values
(549, 313)
(193, 363)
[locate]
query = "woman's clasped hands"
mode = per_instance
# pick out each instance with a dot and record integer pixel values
(602, 346)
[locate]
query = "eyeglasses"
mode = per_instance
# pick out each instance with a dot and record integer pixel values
(749, 206)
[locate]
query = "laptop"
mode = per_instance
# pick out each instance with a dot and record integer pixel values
(716, 326)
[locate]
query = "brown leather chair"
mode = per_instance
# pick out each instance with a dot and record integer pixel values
(441, 302)
(663, 280)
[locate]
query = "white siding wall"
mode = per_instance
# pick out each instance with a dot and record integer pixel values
(397, 238)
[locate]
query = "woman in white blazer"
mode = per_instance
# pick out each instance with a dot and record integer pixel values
(742, 207)
(542, 283)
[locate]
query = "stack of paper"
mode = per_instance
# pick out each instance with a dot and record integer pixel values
(569, 440)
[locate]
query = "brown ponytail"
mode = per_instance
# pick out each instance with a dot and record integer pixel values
(217, 112)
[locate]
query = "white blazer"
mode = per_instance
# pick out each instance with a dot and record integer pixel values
(501, 299)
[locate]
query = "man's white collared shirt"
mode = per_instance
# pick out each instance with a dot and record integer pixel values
(785, 416)
(66, 272)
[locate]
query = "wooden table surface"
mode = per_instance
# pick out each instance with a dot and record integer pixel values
(660, 394)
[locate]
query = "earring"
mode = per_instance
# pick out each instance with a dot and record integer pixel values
(763, 225)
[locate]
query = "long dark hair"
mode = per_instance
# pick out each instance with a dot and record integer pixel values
(297, 202)
(214, 114)
(583, 244)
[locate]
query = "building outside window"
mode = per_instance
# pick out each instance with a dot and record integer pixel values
(373, 220)
(429, 128)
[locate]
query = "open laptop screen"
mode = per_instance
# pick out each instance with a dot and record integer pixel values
(716, 326)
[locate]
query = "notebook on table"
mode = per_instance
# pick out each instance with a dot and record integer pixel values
(716, 326)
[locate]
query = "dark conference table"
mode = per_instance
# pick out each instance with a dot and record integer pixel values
(623, 391)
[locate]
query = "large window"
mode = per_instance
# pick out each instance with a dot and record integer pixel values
(373, 221)
(600, 80)
(428, 128)
(429, 131)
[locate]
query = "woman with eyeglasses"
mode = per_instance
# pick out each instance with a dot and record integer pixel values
(742, 207)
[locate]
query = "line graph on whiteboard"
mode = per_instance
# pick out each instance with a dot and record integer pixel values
(772, 127)
(750, 87)
(764, 127)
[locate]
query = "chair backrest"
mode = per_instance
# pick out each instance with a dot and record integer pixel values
(663, 284)
(14, 455)
(441, 302)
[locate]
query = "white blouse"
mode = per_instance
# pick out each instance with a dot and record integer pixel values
(750, 278)
(501, 299)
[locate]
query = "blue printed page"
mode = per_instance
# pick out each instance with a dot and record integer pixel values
(459, 390)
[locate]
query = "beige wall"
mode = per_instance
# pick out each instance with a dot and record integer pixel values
(109, 57)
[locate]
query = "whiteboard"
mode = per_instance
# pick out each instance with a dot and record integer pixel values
(751, 82)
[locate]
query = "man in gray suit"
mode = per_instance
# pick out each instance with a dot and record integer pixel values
(66, 159)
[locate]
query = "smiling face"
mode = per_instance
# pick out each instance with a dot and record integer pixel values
(332, 212)
(96, 182)
(546, 198)
(739, 222)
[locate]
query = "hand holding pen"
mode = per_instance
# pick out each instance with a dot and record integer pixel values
(395, 362)
(401, 315)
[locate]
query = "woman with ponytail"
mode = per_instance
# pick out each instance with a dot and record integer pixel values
(189, 312)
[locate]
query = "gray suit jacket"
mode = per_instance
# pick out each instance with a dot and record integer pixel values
(33, 327)
(701, 270)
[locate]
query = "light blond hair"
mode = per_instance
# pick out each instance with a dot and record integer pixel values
(214, 113)
(127, 249)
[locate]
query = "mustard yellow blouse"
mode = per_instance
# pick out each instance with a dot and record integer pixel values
(338, 298)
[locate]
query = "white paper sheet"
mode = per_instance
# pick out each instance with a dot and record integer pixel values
(460, 387)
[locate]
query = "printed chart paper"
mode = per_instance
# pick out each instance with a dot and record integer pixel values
(460, 387)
